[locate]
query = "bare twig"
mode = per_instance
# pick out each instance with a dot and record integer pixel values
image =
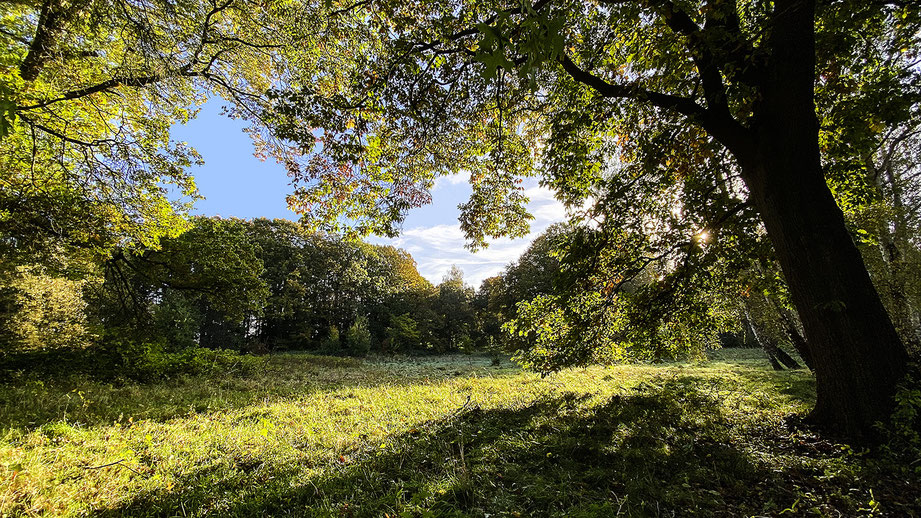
(118, 463)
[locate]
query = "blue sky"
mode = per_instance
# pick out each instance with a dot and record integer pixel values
(235, 183)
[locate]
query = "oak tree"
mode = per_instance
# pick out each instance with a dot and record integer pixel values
(570, 90)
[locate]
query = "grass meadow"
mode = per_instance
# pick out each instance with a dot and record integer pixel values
(309, 435)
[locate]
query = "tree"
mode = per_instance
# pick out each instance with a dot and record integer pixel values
(766, 337)
(489, 306)
(293, 270)
(891, 231)
(43, 311)
(455, 315)
(89, 90)
(398, 300)
(317, 282)
(207, 282)
(537, 271)
(572, 86)
(403, 333)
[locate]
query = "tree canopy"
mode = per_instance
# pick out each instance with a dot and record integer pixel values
(89, 91)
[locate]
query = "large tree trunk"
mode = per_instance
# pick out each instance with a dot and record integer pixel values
(857, 353)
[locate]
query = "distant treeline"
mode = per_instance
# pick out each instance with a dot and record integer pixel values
(258, 286)
(271, 285)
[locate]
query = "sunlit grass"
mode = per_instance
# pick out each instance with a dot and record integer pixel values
(325, 436)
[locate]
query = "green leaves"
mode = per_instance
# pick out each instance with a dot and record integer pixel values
(491, 51)
(533, 40)
(93, 103)
(8, 107)
(7, 116)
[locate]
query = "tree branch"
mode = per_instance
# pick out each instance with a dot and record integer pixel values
(350, 8)
(737, 54)
(101, 87)
(683, 105)
(717, 122)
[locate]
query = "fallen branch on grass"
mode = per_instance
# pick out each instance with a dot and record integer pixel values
(116, 463)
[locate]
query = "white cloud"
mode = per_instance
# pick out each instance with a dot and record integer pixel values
(437, 247)
(442, 182)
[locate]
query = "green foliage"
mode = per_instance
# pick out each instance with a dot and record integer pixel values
(149, 362)
(455, 319)
(403, 333)
(358, 337)
(7, 111)
(376, 162)
(903, 431)
(666, 127)
(540, 37)
(317, 281)
(218, 259)
(249, 285)
(332, 342)
(177, 320)
(551, 339)
(200, 288)
(88, 94)
(44, 311)
(117, 359)
(554, 317)
(908, 411)
(94, 87)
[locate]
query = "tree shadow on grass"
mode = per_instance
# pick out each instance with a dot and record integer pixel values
(662, 450)
(798, 385)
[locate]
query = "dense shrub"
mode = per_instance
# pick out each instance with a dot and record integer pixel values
(41, 311)
(331, 344)
(358, 337)
(403, 333)
(126, 360)
(149, 362)
(903, 431)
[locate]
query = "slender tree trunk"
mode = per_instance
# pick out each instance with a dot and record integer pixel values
(776, 355)
(892, 247)
(858, 355)
(773, 360)
(793, 332)
(749, 328)
(892, 283)
(785, 358)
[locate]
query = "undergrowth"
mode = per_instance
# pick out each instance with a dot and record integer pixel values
(123, 361)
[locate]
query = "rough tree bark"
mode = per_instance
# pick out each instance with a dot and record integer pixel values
(857, 353)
